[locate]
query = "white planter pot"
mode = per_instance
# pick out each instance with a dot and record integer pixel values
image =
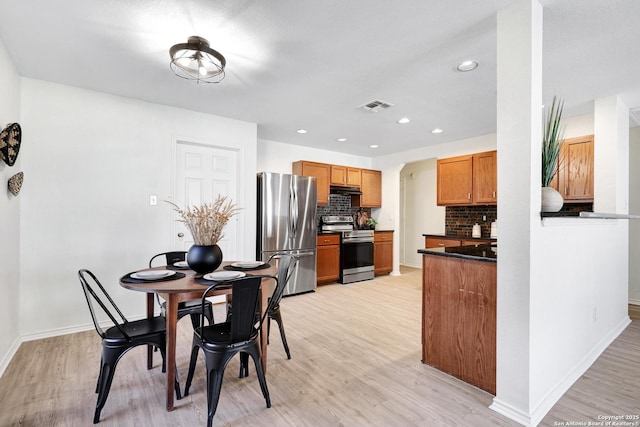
(552, 200)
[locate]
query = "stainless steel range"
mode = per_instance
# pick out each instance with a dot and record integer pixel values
(356, 248)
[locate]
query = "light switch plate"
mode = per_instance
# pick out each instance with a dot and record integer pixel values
(153, 200)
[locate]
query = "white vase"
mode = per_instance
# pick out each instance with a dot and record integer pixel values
(552, 200)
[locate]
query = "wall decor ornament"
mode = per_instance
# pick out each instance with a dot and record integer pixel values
(15, 183)
(10, 139)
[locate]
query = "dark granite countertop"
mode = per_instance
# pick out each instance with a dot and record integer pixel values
(486, 252)
(383, 230)
(451, 236)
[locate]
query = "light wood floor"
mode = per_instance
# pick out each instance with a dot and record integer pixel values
(355, 362)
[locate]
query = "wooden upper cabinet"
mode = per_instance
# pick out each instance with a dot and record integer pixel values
(369, 182)
(468, 180)
(455, 181)
(321, 171)
(371, 187)
(485, 179)
(343, 175)
(575, 175)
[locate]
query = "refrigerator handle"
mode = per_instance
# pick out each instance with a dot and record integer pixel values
(293, 211)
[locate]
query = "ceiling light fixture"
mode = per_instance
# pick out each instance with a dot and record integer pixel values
(404, 120)
(374, 146)
(341, 139)
(467, 66)
(437, 130)
(301, 131)
(195, 60)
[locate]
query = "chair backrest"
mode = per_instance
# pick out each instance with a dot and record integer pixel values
(244, 292)
(93, 291)
(286, 267)
(169, 257)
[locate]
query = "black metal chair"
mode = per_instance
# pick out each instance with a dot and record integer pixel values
(191, 308)
(286, 267)
(120, 338)
(220, 342)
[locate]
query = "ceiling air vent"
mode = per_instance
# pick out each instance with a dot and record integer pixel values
(376, 105)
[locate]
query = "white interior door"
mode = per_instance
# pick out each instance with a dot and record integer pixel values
(202, 174)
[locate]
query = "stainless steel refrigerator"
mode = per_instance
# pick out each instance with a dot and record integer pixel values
(287, 223)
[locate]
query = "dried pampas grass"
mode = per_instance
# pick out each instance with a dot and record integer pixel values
(206, 222)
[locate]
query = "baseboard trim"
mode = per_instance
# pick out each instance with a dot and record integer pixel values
(552, 397)
(72, 329)
(511, 412)
(634, 302)
(13, 349)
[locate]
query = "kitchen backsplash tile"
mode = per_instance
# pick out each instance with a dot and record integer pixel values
(338, 205)
(459, 220)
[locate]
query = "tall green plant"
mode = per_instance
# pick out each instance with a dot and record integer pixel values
(552, 141)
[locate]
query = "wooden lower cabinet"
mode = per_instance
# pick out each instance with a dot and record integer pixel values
(383, 252)
(328, 258)
(459, 318)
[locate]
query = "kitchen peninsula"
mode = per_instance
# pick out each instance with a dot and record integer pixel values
(459, 312)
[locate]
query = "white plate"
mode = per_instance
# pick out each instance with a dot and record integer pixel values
(152, 274)
(223, 275)
(181, 264)
(247, 264)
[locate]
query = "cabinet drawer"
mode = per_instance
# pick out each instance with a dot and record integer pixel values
(383, 236)
(434, 242)
(475, 242)
(328, 239)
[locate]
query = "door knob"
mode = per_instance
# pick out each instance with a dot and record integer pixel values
(180, 234)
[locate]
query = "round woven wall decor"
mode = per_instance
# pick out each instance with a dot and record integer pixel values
(10, 139)
(15, 183)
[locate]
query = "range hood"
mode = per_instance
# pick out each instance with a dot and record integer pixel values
(345, 190)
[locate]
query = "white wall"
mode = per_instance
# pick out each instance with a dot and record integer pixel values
(634, 208)
(419, 213)
(9, 216)
(91, 160)
(277, 157)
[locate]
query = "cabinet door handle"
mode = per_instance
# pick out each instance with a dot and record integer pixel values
(566, 191)
(469, 196)
(440, 244)
(494, 194)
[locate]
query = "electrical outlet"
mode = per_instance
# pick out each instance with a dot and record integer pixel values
(153, 200)
(484, 217)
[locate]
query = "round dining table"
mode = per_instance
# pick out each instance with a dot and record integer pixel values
(185, 288)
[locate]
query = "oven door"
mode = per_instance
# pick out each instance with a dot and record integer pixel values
(355, 255)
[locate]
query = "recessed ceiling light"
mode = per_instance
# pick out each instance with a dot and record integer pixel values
(404, 120)
(301, 131)
(374, 146)
(341, 139)
(437, 130)
(469, 65)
